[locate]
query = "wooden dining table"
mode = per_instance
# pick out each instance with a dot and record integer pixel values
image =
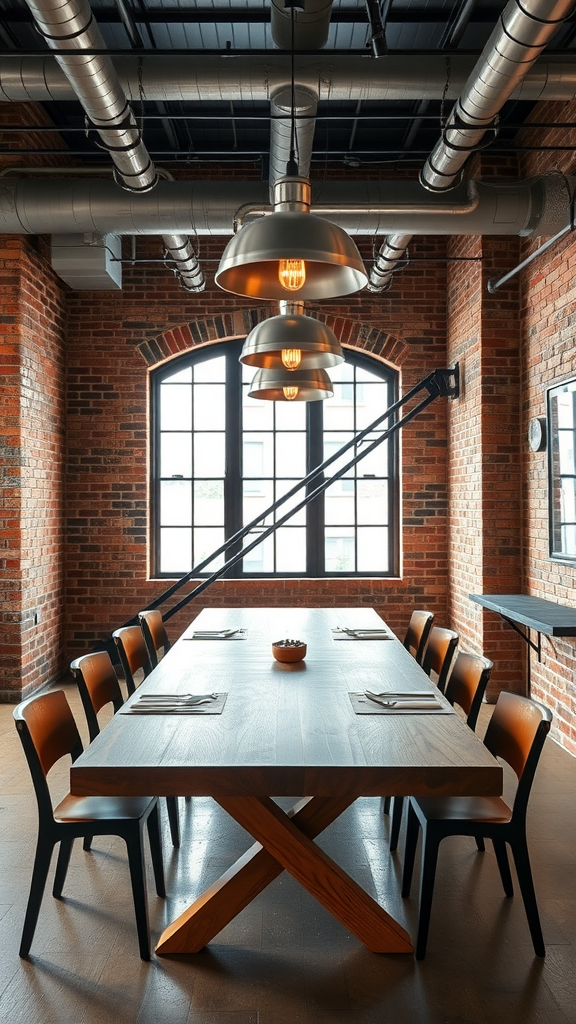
(286, 730)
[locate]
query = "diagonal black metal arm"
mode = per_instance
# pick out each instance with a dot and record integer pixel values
(437, 384)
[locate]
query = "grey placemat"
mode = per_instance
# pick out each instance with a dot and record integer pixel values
(362, 705)
(141, 707)
(383, 634)
(199, 635)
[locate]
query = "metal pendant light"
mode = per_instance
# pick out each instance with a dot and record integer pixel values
(292, 341)
(291, 253)
(284, 385)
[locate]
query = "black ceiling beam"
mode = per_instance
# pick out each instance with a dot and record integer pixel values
(429, 15)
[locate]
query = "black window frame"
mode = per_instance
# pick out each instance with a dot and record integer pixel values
(233, 497)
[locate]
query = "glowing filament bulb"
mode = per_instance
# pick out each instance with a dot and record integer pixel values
(290, 393)
(292, 274)
(291, 358)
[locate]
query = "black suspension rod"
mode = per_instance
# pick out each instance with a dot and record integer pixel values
(427, 382)
(435, 389)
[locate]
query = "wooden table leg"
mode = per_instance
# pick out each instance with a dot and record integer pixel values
(238, 886)
(285, 841)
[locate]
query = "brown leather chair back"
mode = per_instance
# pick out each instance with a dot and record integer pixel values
(467, 684)
(133, 654)
(155, 635)
(98, 686)
(513, 729)
(48, 732)
(440, 653)
(417, 633)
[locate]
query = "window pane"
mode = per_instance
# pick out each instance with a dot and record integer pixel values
(290, 550)
(373, 404)
(257, 455)
(181, 377)
(205, 542)
(568, 500)
(290, 415)
(566, 451)
(282, 486)
(339, 503)
(175, 407)
(209, 458)
(209, 407)
(210, 370)
(339, 550)
(291, 455)
(257, 415)
(372, 549)
(176, 455)
(372, 502)
(261, 559)
(332, 444)
(175, 503)
(258, 496)
(176, 551)
(339, 411)
(376, 463)
(209, 503)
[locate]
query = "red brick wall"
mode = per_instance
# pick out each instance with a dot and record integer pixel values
(107, 428)
(32, 382)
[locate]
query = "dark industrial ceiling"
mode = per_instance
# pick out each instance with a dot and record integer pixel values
(356, 132)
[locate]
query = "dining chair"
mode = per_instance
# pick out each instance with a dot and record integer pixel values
(417, 633)
(98, 686)
(48, 733)
(155, 635)
(439, 655)
(516, 733)
(465, 687)
(133, 655)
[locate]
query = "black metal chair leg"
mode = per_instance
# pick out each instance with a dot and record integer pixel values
(39, 875)
(503, 865)
(153, 825)
(524, 872)
(410, 850)
(138, 879)
(87, 843)
(62, 867)
(386, 804)
(480, 844)
(428, 875)
(174, 820)
(397, 808)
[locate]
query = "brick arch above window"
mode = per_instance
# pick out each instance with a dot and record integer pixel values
(362, 336)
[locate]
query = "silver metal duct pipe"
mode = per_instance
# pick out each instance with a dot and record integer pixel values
(305, 107)
(514, 45)
(523, 31)
(310, 25)
(31, 206)
(210, 78)
(69, 25)
(294, 29)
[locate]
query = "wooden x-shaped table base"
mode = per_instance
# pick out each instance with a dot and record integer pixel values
(285, 841)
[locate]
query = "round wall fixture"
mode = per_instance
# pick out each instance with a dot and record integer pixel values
(537, 434)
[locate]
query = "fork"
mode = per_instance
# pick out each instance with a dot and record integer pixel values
(178, 698)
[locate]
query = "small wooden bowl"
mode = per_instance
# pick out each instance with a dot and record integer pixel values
(289, 650)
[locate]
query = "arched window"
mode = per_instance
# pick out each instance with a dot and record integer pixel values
(220, 458)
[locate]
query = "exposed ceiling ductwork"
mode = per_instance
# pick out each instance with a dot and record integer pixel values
(540, 207)
(209, 78)
(516, 42)
(82, 69)
(71, 26)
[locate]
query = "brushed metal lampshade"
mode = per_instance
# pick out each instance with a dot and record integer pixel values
(306, 385)
(330, 261)
(315, 345)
